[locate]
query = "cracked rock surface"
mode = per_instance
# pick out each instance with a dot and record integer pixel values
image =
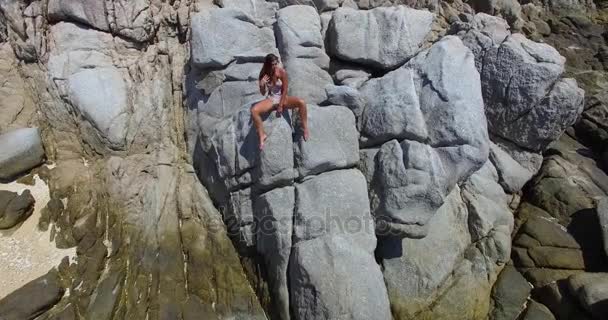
(426, 122)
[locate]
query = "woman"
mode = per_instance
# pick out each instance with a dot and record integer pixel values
(273, 84)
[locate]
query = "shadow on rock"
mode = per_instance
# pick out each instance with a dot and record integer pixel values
(585, 228)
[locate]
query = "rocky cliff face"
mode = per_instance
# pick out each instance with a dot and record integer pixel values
(426, 121)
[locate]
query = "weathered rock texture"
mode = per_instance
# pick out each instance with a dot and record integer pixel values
(398, 205)
(20, 151)
(150, 243)
(14, 208)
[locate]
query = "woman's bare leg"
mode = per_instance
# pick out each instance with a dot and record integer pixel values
(298, 103)
(256, 114)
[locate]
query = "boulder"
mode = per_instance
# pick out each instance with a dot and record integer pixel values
(242, 71)
(393, 109)
(334, 203)
(332, 143)
(301, 46)
(329, 277)
(101, 96)
(274, 225)
(348, 97)
(393, 35)
(220, 36)
(488, 208)
(518, 110)
(591, 289)
(562, 189)
(15, 208)
(546, 122)
(557, 258)
(548, 233)
(444, 147)
(415, 269)
(81, 66)
(510, 294)
(34, 298)
(228, 98)
(481, 34)
(234, 150)
(20, 151)
(89, 12)
(349, 74)
(275, 164)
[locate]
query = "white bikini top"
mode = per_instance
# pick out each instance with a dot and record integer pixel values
(276, 89)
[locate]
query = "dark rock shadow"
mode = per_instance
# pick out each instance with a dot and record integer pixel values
(585, 228)
(600, 309)
(388, 247)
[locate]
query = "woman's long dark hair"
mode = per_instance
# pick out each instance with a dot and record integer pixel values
(267, 67)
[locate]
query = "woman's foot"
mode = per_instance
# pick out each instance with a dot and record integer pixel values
(263, 137)
(305, 134)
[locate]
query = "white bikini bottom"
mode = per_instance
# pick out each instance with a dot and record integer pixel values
(274, 98)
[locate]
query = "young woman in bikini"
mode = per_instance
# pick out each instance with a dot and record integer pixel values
(273, 84)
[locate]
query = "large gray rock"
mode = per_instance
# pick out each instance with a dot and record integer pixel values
(15, 208)
(414, 269)
(227, 99)
(546, 122)
(20, 150)
(232, 146)
(392, 36)
(332, 279)
(298, 32)
(348, 97)
(90, 12)
(525, 102)
(445, 147)
(335, 203)
(75, 48)
(81, 66)
(591, 289)
(275, 165)
(490, 219)
(274, 214)
(219, 36)
(393, 109)
(602, 214)
(101, 95)
(332, 143)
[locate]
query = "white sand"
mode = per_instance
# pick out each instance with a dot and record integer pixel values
(27, 253)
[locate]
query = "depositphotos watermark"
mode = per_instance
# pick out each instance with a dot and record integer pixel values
(268, 223)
